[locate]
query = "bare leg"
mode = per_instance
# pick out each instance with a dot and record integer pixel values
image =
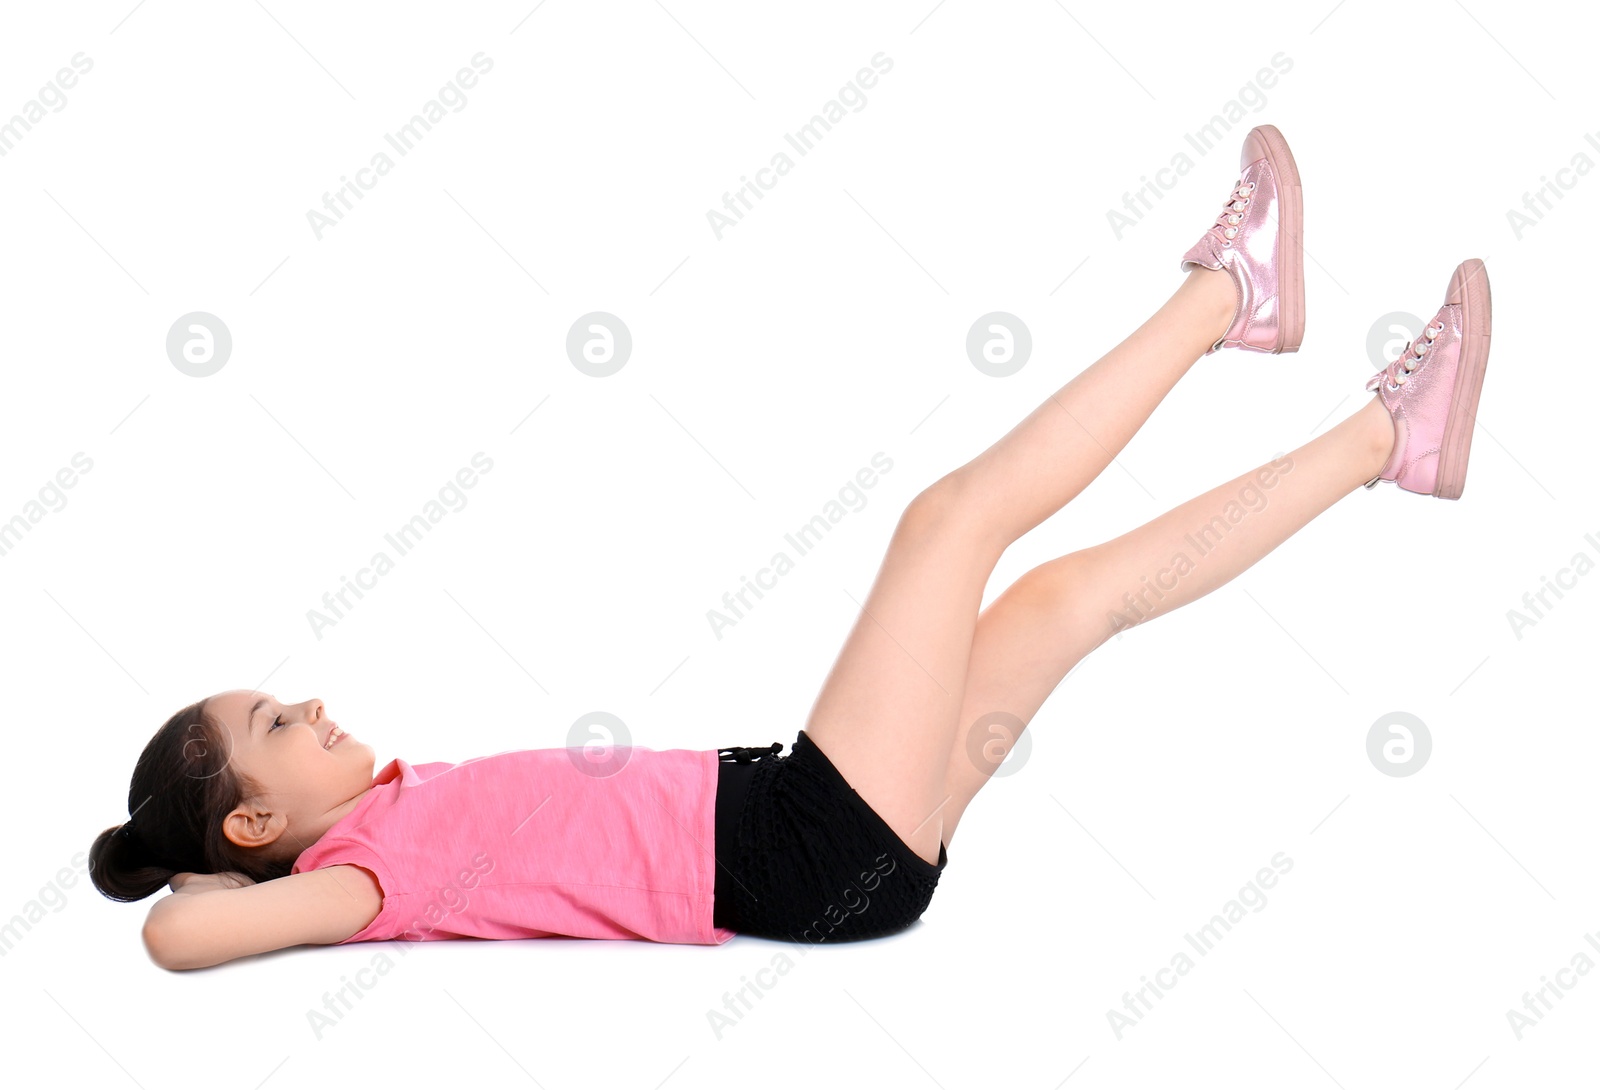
(1036, 631)
(887, 714)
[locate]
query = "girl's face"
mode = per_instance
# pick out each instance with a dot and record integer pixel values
(306, 783)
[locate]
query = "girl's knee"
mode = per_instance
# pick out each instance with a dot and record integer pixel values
(949, 509)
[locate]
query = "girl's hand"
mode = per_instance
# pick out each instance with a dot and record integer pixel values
(189, 882)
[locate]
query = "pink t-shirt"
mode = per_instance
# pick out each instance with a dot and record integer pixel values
(527, 844)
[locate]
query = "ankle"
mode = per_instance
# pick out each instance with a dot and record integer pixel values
(1217, 296)
(1377, 430)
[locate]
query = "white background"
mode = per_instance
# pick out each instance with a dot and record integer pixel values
(767, 369)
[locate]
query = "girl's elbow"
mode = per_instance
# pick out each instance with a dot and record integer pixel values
(167, 945)
(158, 943)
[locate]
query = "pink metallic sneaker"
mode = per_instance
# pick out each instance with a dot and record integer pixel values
(1257, 239)
(1432, 390)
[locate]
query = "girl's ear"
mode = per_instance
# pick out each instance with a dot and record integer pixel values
(249, 827)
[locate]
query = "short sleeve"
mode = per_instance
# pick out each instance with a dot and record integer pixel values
(333, 851)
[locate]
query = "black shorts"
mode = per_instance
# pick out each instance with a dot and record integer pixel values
(802, 857)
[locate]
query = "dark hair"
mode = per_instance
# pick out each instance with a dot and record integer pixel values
(183, 786)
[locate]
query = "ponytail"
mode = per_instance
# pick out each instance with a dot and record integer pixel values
(122, 866)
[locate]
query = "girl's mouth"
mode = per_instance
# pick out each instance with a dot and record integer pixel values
(335, 736)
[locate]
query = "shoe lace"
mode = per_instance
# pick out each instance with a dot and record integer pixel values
(1409, 361)
(1232, 213)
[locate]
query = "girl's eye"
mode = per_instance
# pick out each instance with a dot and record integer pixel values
(276, 723)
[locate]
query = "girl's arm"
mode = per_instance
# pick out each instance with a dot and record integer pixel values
(206, 923)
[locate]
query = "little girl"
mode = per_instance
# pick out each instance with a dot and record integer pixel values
(272, 830)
